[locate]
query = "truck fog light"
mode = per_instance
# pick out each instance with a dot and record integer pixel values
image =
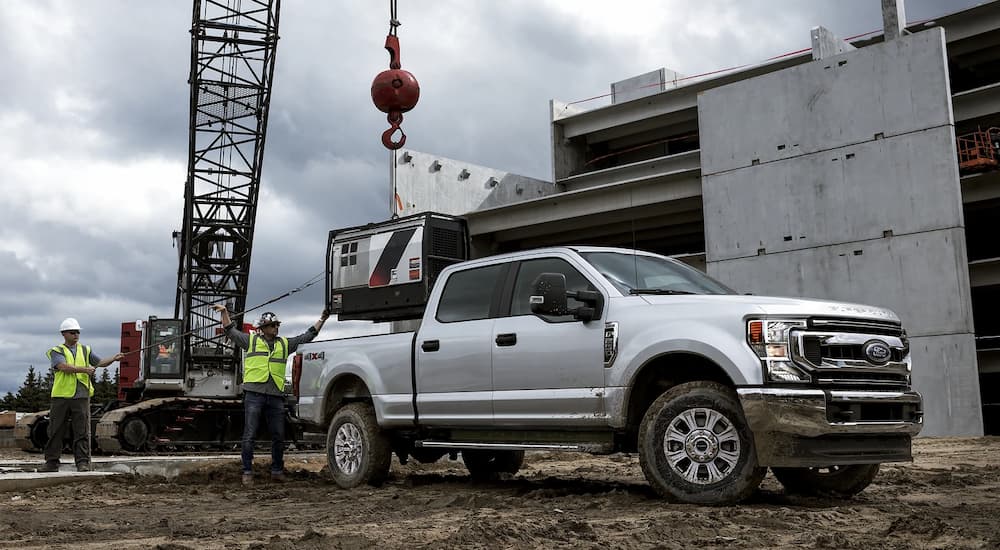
(783, 371)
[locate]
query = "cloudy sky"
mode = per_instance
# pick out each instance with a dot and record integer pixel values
(93, 128)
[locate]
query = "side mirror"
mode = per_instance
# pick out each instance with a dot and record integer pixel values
(548, 295)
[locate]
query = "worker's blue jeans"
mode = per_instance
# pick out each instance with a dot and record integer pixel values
(272, 408)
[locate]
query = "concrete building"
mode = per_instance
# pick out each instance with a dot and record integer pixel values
(831, 174)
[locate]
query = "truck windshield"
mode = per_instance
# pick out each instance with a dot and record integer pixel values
(641, 274)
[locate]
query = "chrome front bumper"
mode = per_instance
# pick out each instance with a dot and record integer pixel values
(813, 427)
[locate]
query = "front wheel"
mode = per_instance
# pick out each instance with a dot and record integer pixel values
(833, 481)
(695, 446)
(357, 450)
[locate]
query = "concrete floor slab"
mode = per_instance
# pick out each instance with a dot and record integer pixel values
(21, 475)
(23, 481)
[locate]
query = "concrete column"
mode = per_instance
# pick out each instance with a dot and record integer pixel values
(825, 43)
(567, 157)
(893, 18)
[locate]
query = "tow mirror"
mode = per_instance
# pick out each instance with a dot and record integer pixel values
(548, 295)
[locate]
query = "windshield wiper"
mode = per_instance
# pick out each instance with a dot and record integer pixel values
(634, 291)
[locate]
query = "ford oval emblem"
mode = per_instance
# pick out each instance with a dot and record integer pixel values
(877, 352)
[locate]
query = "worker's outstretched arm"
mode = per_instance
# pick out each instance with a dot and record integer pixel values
(109, 360)
(225, 314)
(322, 319)
(241, 339)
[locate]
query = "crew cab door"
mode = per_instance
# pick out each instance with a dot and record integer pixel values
(453, 376)
(547, 369)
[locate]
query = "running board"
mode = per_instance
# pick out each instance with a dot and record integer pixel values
(512, 446)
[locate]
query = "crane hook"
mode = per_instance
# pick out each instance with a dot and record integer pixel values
(394, 92)
(395, 118)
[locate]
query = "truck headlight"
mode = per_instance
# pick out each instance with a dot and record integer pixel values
(769, 340)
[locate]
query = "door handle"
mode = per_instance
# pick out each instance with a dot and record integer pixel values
(508, 339)
(431, 345)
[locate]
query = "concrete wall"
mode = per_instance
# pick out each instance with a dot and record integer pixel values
(431, 183)
(837, 179)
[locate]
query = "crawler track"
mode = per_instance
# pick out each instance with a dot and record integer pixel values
(164, 426)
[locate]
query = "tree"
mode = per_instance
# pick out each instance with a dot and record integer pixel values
(105, 389)
(7, 403)
(31, 397)
(48, 380)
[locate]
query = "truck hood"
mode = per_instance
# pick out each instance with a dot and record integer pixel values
(774, 306)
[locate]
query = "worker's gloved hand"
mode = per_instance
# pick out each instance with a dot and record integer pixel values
(218, 307)
(325, 315)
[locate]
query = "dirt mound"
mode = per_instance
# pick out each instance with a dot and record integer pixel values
(313, 540)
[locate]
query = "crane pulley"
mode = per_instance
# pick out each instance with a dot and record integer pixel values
(394, 91)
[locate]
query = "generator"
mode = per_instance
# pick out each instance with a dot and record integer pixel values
(385, 271)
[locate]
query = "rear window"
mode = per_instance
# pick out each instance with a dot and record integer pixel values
(467, 295)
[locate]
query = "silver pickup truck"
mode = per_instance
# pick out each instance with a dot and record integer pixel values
(608, 350)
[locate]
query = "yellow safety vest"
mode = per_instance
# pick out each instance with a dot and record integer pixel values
(64, 383)
(261, 361)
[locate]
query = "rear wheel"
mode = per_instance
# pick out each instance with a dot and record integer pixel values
(484, 464)
(695, 446)
(357, 450)
(833, 481)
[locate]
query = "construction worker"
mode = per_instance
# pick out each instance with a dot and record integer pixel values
(72, 387)
(264, 383)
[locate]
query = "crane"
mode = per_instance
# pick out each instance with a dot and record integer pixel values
(232, 68)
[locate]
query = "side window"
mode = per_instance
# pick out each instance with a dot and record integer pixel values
(531, 269)
(467, 294)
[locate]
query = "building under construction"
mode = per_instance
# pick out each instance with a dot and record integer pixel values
(862, 171)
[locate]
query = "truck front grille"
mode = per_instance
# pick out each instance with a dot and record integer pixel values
(842, 353)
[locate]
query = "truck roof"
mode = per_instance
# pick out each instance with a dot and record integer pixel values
(567, 248)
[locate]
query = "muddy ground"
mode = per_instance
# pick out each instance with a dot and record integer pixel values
(948, 498)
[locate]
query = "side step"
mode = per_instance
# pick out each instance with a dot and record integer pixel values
(583, 448)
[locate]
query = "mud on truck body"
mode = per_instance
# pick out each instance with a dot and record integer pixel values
(607, 350)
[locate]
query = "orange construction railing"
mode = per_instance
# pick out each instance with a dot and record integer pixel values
(979, 151)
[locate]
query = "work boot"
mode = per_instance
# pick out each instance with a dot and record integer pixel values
(247, 480)
(50, 466)
(278, 477)
(83, 467)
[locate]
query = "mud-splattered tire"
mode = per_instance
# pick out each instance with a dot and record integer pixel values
(695, 446)
(835, 481)
(483, 464)
(356, 449)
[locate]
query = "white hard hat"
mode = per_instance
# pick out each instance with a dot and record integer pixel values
(69, 324)
(268, 318)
